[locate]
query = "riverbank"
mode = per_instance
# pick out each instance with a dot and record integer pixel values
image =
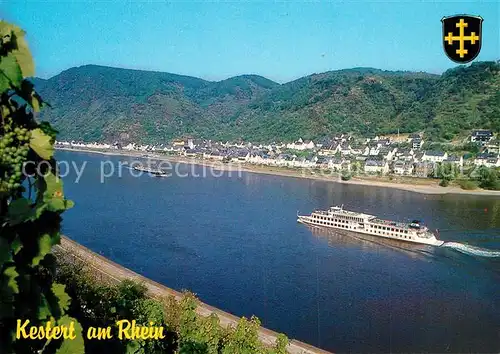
(110, 271)
(412, 184)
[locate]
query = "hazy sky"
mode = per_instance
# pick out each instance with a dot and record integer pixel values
(216, 40)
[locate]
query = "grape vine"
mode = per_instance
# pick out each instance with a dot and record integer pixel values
(31, 203)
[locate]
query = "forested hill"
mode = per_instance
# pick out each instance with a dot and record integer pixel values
(108, 104)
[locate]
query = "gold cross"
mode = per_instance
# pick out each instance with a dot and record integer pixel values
(450, 38)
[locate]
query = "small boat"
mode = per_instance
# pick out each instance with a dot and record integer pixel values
(153, 172)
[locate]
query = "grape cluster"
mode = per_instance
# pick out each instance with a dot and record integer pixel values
(14, 148)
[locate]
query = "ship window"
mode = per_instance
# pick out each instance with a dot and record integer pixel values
(392, 230)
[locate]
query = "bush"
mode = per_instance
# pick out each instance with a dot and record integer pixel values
(444, 183)
(467, 184)
(97, 303)
(345, 177)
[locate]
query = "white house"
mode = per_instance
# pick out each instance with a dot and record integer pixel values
(416, 141)
(403, 168)
(376, 166)
(387, 153)
(302, 162)
(335, 164)
(404, 155)
(487, 160)
(257, 158)
(481, 136)
(371, 149)
(130, 146)
(345, 149)
(493, 162)
(301, 145)
(434, 156)
(481, 159)
(455, 160)
(329, 150)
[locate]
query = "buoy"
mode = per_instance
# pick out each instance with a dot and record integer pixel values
(485, 210)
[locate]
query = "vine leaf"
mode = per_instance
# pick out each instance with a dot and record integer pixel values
(16, 245)
(72, 346)
(133, 347)
(23, 54)
(4, 251)
(35, 102)
(44, 245)
(64, 298)
(10, 73)
(19, 211)
(11, 274)
(13, 42)
(53, 196)
(41, 144)
(43, 309)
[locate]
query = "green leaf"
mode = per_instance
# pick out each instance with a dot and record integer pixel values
(41, 144)
(43, 309)
(5, 254)
(16, 245)
(72, 346)
(133, 347)
(56, 204)
(10, 72)
(35, 103)
(13, 43)
(45, 245)
(19, 211)
(23, 54)
(53, 196)
(64, 298)
(12, 274)
(54, 187)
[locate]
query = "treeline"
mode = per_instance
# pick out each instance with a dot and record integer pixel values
(472, 178)
(102, 103)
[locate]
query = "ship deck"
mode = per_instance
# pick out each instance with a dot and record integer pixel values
(390, 223)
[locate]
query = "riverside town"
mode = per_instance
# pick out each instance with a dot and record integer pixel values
(403, 155)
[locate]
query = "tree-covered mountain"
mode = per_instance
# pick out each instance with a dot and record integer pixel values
(102, 103)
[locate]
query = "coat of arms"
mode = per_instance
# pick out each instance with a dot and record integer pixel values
(462, 37)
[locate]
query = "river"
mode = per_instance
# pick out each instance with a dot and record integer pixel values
(234, 241)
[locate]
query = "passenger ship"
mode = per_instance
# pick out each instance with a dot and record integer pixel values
(338, 218)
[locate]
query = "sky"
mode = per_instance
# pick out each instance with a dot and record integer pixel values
(216, 40)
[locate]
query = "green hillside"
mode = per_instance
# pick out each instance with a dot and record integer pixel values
(102, 103)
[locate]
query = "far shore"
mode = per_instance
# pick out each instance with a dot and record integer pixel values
(417, 185)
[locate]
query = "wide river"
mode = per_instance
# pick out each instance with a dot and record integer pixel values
(235, 242)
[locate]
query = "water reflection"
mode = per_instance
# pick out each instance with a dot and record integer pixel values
(370, 243)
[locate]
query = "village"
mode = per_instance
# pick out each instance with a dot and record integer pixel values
(406, 156)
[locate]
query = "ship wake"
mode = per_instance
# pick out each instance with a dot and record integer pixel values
(471, 250)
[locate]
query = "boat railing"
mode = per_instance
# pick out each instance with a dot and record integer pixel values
(321, 212)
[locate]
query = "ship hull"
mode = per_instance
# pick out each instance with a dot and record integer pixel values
(426, 241)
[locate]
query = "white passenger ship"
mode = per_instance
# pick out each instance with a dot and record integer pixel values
(338, 218)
